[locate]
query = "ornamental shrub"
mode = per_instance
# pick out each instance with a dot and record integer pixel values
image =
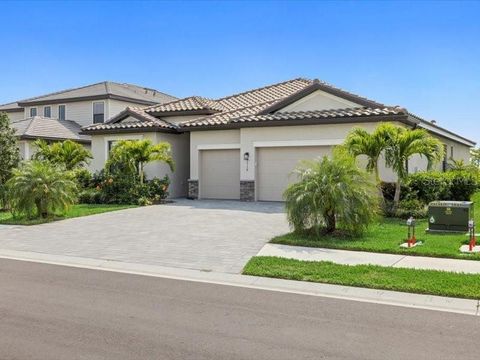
(331, 194)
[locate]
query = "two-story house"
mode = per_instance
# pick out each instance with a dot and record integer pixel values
(61, 115)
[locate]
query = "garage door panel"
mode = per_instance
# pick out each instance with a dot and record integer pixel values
(275, 166)
(220, 174)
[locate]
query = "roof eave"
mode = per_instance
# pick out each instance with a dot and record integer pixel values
(129, 130)
(313, 121)
(182, 112)
(30, 137)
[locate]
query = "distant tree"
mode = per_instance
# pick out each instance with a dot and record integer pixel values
(68, 154)
(475, 157)
(9, 153)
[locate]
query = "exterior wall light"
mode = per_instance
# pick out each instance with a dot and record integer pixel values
(246, 157)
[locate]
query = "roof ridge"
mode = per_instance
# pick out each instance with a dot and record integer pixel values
(264, 87)
(59, 92)
(228, 112)
(141, 87)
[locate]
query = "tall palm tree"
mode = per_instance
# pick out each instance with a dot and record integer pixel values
(67, 153)
(403, 144)
(361, 142)
(138, 153)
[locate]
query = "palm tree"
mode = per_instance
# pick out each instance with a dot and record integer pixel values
(330, 193)
(361, 142)
(67, 153)
(403, 144)
(40, 186)
(138, 153)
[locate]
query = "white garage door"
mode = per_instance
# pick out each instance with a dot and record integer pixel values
(276, 164)
(220, 174)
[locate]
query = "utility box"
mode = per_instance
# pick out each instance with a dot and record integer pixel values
(449, 216)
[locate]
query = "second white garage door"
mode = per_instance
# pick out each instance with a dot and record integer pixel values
(220, 174)
(275, 165)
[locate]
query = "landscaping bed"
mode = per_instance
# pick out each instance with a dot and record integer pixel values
(368, 276)
(385, 237)
(78, 210)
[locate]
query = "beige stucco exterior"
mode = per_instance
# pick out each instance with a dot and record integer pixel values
(318, 100)
(180, 152)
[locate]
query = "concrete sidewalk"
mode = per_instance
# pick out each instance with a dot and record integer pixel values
(361, 257)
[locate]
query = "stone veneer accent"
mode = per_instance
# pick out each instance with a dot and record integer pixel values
(247, 190)
(193, 189)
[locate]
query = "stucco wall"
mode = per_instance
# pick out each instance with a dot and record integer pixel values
(319, 100)
(15, 115)
(180, 152)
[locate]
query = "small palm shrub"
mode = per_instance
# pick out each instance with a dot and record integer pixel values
(40, 189)
(68, 154)
(331, 194)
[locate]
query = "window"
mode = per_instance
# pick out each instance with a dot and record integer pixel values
(62, 112)
(33, 112)
(47, 111)
(451, 152)
(98, 112)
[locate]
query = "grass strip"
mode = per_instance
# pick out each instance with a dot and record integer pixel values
(431, 282)
(78, 210)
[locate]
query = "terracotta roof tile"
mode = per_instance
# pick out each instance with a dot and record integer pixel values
(120, 121)
(187, 104)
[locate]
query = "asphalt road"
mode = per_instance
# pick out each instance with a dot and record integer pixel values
(55, 312)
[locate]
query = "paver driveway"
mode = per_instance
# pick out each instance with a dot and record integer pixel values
(207, 235)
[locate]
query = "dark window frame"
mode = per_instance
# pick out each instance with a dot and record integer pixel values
(98, 118)
(49, 111)
(64, 117)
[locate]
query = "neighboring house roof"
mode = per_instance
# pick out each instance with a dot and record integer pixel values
(258, 107)
(39, 127)
(102, 90)
(132, 119)
(10, 107)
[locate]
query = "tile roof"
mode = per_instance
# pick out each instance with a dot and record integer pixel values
(191, 103)
(104, 89)
(49, 128)
(323, 114)
(142, 120)
(13, 106)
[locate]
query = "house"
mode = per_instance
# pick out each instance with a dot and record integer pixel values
(244, 146)
(62, 114)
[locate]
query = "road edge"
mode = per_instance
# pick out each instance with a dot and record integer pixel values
(384, 297)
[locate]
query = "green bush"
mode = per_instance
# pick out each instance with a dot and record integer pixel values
(412, 207)
(463, 184)
(90, 196)
(39, 188)
(458, 185)
(331, 194)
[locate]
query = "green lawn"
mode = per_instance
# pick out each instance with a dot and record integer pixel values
(387, 235)
(75, 211)
(368, 276)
